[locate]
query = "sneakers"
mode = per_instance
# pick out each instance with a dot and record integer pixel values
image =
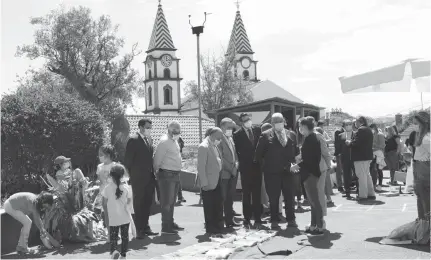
(378, 188)
(25, 250)
(169, 232)
(309, 229)
(317, 232)
(330, 203)
(115, 255)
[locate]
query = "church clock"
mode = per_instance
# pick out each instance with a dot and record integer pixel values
(166, 60)
(245, 62)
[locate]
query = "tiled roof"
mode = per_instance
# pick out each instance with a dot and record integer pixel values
(189, 127)
(160, 37)
(239, 42)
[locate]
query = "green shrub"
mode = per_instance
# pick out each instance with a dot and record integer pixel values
(41, 123)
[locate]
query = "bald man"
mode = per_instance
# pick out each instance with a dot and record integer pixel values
(167, 165)
(209, 179)
(277, 147)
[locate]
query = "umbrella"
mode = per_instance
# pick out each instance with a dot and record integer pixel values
(412, 75)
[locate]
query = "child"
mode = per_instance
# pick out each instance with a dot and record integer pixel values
(20, 206)
(117, 197)
(65, 176)
(106, 157)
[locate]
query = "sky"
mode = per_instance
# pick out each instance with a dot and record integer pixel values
(303, 46)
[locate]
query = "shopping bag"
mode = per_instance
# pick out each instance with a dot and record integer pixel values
(422, 232)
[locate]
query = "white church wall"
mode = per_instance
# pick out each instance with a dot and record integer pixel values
(174, 86)
(172, 68)
(150, 84)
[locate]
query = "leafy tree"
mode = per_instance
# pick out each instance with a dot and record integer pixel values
(219, 88)
(40, 122)
(85, 52)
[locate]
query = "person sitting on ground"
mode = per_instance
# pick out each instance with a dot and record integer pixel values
(23, 204)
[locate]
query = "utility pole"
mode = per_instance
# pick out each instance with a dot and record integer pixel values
(199, 30)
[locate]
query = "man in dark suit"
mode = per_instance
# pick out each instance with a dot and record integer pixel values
(339, 170)
(362, 155)
(251, 177)
(139, 163)
(343, 151)
(277, 148)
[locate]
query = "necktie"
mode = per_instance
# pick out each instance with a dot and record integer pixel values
(146, 141)
(250, 136)
(282, 139)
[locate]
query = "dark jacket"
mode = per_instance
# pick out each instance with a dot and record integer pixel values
(311, 155)
(362, 144)
(245, 149)
(345, 150)
(138, 161)
(276, 157)
(338, 142)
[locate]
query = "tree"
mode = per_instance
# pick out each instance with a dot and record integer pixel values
(85, 52)
(220, 88)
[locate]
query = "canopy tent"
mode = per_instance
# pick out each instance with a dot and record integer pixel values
(411, 75)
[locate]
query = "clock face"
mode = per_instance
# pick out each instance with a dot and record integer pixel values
(166, 60)
(245, 63)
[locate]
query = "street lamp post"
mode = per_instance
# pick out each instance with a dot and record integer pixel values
(198, 30)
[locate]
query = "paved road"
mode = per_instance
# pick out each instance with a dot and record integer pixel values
(354, 233)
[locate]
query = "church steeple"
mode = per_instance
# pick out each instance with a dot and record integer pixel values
(161, 37)
(162, 70)
(239, 42)
(240, 51)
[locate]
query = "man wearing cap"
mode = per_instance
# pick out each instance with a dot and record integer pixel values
(229, 171)
(251, 176)
(138, 161)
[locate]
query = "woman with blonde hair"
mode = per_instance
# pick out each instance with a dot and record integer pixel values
(392, 148)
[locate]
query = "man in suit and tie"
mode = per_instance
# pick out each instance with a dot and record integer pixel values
(251, 176)
(229, 171)
(208, 177)
(139, 163)
(277, 148)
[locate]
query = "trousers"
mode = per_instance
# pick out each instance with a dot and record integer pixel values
(24, 220)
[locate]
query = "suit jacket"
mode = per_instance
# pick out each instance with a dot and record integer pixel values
(338, 142)
(345, 150)
(362, 144)
(245, 149)
(325, 161)
(311, 156)
(208, 167)
(229, 158)
(138, 160)
(275, 157)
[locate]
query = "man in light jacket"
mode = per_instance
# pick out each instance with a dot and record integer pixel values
(208, 177)
(229, 171)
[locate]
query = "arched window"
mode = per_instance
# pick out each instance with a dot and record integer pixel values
(149, 74)
(150, 96)
(245, 74)
(166, 73)
(167, 94)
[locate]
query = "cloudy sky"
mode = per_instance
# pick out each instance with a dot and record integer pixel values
(303, 46)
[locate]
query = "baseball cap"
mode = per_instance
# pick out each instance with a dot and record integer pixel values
(61, 159)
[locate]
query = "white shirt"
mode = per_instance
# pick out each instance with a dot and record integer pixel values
(118, 210)
(231, 146)
(422, 152)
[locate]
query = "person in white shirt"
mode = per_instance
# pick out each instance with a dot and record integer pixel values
(118, 197)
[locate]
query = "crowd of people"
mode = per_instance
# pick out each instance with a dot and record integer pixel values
(276, 164)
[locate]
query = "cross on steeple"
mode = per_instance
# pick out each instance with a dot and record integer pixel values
(237, 4)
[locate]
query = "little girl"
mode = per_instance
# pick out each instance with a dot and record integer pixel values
(106, 157)
(20, 206)
(117, 197)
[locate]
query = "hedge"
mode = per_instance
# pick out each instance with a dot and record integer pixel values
(39, 124)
